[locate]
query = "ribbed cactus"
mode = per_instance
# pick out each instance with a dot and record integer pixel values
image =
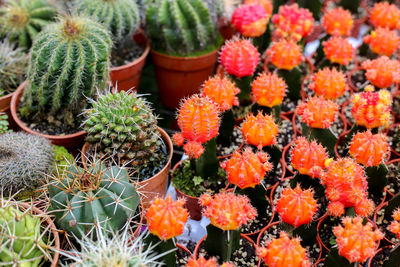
(69, 60)
(318, 112)
(260, 130)
(181, 27)
(22, 20)
(385, 15)
(382, 72)
(383, 41)
(329, 83)
(91, 197)
(222, 91)
(120, 17)
(268, 89)
(369, 149)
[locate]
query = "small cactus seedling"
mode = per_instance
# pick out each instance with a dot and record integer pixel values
(394, 226)
(382, 72)
(4, 123)
(357, 242)
(329, 83)
(385, 15)
(222, 91)
(284, 251)
(338, 22)
(372, 109)
(247, 169)
(383, 41)
(260, 130)
(338, 50)
(318, 112)
(369, 149)
(250, 20)
(269, 89)
(285, 54)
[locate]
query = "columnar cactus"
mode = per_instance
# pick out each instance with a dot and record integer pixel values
(369, 149)
(22, 20)
(250, 20)
(284, 251)
(69, 60)
(269, 89)
(318, 112)
(329, 83)
(239, 57)
(357, 242)
(90, 197)
(338, 50)
(394, 226)
(260, 130)
(383, 41)
(180, 27)
(296, 206)
(285, 54)
(338, 22)
(247, 169)
(222, 91)
(382, 72)
(385, 15)
(120, 17)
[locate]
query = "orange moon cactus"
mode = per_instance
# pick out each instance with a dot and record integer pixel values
(382, 72)
(385, 15)
(318, 112)
(250, 20)
(338, 50)
(394, 226)
(269, 89)
(383, 42)
(222, 91)
(260, 130)
(329, 83)
(285, 54)
(338, 22)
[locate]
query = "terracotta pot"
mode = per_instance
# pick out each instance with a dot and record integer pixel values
(179, 77)
(69, 141)
(151, 188)
(128, 76)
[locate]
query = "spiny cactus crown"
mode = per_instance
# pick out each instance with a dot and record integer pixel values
(203, 262)
(383, 41)
(338, 50)
(269, 89)
(285, 54)
(181, 27)
(329, 83)
(385, 15)
(369, 149)
(338, 22)
(394, 226)
(260, 130)
(382, 72)
(318, 112)
(222, 91)
(250, 20)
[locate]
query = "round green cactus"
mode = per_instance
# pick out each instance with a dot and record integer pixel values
(22, 20)
(120, 17)
(69, 60)
(90, 197)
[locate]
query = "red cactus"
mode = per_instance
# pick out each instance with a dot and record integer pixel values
(385, 15)
(166, 218)
(269, 89)
(394, 226)
(222, 91)
(227, 211)
(285, 54)
(383, 41)
(329, 83)
(308, 158)
(266, 4)
(250, 20)
(259, 130)
(247, 169)
(338, 22)
(356, 242)
(369, 149)
(296, 206)
(284, 251)
(338, 50)
(318, 112)
(239, 57)
(382, 72)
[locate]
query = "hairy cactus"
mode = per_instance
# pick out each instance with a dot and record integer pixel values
(284, 251)
(250, 20)
(260, 130)
(329, 83)
(24, 162)
(13, 67)
(3, 123)
(382, 72)
(69, 60)
(285, 54)
(338, 50)
(369, 149)
(120, 17)
(357, 242)
(222, 91)
(96, 196)
(247, 169)
(269, 89)
(385, 15)
(338, 22)
(318, 112)
(122, 125)
(22, 20)
(394, 226)
(383, 41)
(181, 27)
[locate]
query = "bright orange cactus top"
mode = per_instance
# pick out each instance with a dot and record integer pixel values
(293, 22)
(247, 169)
(203, 262)
(296, 206)
(372, 109)
(250, 20)
(369, 149)
(394, 226)
(266, 4)
(385, 15)
(338, 22)
(222, 91)
(284, 251)
(269, 89)
(166, 218)
(308, 158)
(227, 211)
(259, 130)
(357, 242)
(382, 72)
(329, 83)
(318, 112)
(383, 42)
(338, 50)
(285, 54)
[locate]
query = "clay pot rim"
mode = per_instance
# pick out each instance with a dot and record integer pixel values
(13, 107)
(184, 58)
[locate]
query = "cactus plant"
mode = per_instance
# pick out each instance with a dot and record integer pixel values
(120, 17)
(22, 20)
(94, 196)
(3, 123)
(338, 50)
(329, 83)
(182, 27)
(382, 72)
(318, 112)
(268, 89)
(285, 54)
(61, 160)
(338, 22)
(369, 149)
(222, 91)
(383, 41)
(69, 60)
(260, 130)
(394, 226)
(250, 20)
(25, 160)
(385, 15)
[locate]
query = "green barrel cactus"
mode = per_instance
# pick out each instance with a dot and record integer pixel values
(181, 27)
(22, 20)
(120, 17)
(69, 61)
(96, 196)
